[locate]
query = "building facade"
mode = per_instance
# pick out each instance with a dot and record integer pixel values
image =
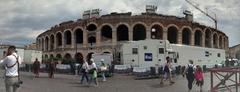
(105, 34)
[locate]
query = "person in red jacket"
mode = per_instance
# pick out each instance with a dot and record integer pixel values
(199, 77)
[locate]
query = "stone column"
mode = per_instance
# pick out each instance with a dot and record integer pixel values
(130, 34)
(73, 40)
(165, 33)
(63, 41)
(114, 36)
(211, 41)
(55, 42)
(148, 33)
(192, 39)
(203, 40)
(85, 38)
(179, 37)
(98, 38)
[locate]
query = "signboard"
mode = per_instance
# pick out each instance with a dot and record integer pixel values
(148, 57)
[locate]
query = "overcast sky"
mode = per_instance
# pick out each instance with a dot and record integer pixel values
(21, 21)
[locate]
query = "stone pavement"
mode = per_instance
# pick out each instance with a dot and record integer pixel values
(118, 83)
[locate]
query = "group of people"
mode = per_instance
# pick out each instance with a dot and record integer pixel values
(192, 73)
(90, 71)
(36, 68)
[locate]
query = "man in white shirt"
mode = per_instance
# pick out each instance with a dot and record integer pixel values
(11, 63)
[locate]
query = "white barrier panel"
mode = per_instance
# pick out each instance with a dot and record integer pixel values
(120, 67)
(140, 69)
(61, 66)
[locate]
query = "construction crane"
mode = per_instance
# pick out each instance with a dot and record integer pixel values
(196, 6)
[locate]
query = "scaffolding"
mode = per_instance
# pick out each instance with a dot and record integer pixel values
(229, 77)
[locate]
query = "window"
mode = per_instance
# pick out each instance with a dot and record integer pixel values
(161, 50)
(145, 47)
(219, 55)
(207, 53)
(134, 50)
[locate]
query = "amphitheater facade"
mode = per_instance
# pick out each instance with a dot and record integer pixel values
(105, 34)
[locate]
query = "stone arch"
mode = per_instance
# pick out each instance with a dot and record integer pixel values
(92, 26)
(220, 41)
(67, 58)
(68, 37)
(106, 33)
(215, 40)
(78, 33)
(122, 32)
(59, 39)
(46, 56)
(58, 56)
(186, 35)
(46, 43)
(139, 32)
(198, 36)
(51, 57)
(157, 31)
(172, 34)
(208, 38)
(52, 41)
(79, 57)
(42, 43)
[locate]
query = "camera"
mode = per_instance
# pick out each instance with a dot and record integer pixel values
(19, 83)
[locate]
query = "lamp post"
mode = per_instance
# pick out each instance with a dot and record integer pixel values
(153, 33)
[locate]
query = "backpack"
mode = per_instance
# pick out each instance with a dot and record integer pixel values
(190, 71)
(166, 69)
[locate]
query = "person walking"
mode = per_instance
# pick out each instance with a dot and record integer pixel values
(84, 71)
(36, 68)
(190, 74)
(167, 72)
(11, 63)
(103, 69)
(93, 72)
(199, 77)
(51, 69)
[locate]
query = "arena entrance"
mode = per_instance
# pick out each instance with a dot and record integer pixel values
(139, 32)
(122, 33)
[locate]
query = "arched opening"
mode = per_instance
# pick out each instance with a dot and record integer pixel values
(220, 42)
(186, 36)
(42, 42)
(106, 33)
(156, 32)
(46, 58)
(58, 56)
(172, 35)
(68, 38)
(67, 59)
(89, 56)
(79, 36)
(46, 43)
(51, 57)
(208, 38)
(91, 27)
(122, 33)
(91, 39)
(139, 32)
(51, 42)
(198, 38)
(59, 39)
(79, 58)
(215, 38)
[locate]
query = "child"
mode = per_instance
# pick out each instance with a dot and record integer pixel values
(199, 77)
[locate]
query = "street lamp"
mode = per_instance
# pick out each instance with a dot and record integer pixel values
(153, 33)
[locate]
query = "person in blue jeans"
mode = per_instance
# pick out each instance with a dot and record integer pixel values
(84, 71)
(103, 69)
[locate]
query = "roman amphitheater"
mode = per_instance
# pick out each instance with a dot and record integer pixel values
(105, 34)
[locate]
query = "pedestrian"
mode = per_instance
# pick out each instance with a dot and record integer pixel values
(11, 63)
(199, 77)
(93, 72)
(51, 69)
(103, 69)
(84, 71)
(189, 71)
(36, 68)
(167, 71)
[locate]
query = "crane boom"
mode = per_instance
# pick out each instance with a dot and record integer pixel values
(195, 6)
